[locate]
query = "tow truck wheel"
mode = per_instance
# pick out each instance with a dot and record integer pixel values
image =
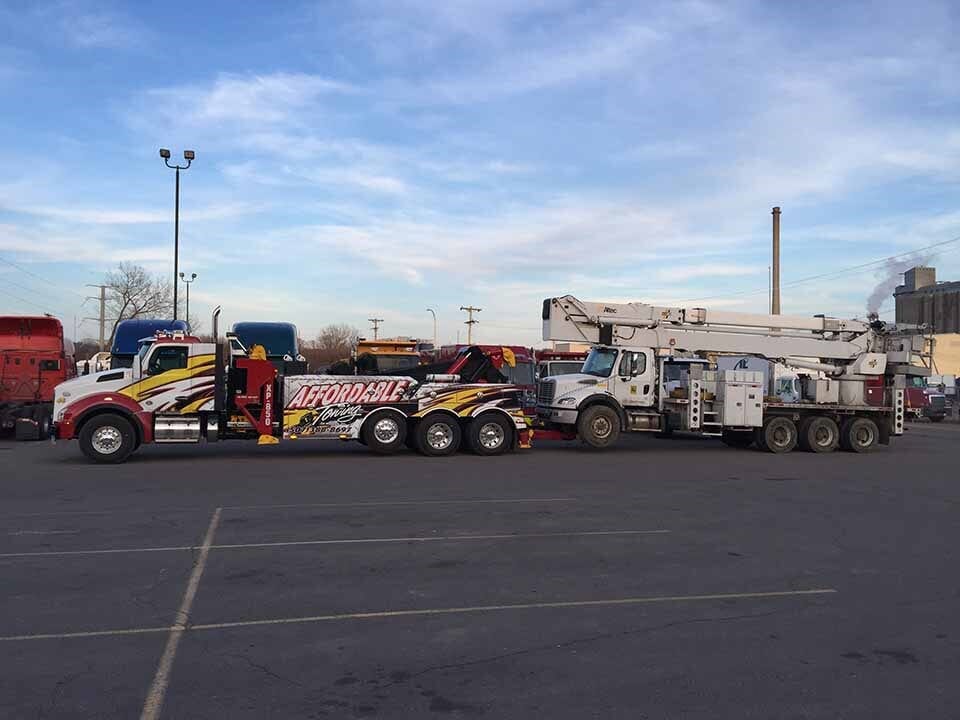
(779, 435)
(438, 435)
(819, 434)
(384, 432)
(107, 438)
(859, 435)
(599, 426)
(490, 434)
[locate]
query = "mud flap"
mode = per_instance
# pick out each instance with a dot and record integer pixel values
(27, 429)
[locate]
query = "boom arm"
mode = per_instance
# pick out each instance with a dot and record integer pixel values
(699, 330)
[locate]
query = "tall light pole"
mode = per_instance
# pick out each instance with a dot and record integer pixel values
(430, 310)
(188, 155)
(183, 276)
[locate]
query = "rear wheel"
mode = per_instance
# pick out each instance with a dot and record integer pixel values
(779, 435)
(490, 434)
(819, 434)
(384, 432)
(438, 435)
(859, 435)
(599, 426)
(107, 438)
(737, 438)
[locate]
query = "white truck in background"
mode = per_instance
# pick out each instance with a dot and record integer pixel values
(639, 376)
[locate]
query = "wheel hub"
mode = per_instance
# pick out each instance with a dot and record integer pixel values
(491, 435)
(601, 427)
(106, 440)
(386, 430)
(439, 436)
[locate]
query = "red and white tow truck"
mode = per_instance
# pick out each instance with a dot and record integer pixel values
(181, 390)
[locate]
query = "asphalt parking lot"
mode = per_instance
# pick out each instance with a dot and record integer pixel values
(661, 579)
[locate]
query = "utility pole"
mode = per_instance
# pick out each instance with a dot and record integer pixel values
(103, 312)
(775, 272)
(376, 327)
(470, 322)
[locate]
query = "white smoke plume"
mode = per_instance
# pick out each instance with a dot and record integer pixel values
(890, 275)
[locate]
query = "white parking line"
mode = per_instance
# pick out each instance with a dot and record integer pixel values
(360, 503)
(392, 503)
(346, 541)
(44, 532)
(158, 689)
(434, 611)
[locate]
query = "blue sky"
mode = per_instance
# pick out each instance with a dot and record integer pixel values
(377, 158)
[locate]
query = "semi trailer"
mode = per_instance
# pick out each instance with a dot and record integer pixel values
(638, 376)
(182, 390)
(34, 358)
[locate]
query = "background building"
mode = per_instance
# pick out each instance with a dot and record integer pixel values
(922, 300)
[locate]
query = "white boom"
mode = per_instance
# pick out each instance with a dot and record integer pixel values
(851, 345)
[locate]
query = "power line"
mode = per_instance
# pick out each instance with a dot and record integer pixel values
(833, 273)
(27, 302)
(38, 277)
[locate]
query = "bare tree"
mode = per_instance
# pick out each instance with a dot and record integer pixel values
(132, 292)
(335, 342)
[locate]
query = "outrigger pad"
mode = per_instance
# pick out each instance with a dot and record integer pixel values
(268, 440)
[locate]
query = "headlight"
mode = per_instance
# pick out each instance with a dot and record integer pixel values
(567, 401)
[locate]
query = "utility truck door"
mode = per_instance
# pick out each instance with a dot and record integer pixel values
(633, 385)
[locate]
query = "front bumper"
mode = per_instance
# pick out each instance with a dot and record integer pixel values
(558, 416)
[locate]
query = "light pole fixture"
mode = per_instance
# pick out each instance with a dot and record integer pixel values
(183, 276)
(189, 156)
(430, 310)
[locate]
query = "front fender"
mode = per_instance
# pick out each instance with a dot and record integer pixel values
(76, 414)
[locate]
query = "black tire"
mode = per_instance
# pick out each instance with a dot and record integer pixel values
(490, 434)
(599, 426)
(45, 424)
(738, 438)
(107, 438)
(936, 418)
(384, 432)
(859, 435)
(779, 435)
(438, 435)
(819, 434)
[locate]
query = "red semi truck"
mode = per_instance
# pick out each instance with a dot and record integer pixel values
(34, 359)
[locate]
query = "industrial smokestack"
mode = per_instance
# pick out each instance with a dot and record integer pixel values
(775, 292)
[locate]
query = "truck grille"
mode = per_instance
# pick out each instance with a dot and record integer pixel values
(938, 402)
(546, 391)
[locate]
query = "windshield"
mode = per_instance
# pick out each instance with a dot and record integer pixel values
(521, 374)
(396, 362)
(567, 367)
(278, 339)
(144, 349)
(600, 362)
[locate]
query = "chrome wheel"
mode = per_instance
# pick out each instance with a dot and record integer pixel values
(386, 430)
(439, 436)
(491, 435)
(106, 440)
